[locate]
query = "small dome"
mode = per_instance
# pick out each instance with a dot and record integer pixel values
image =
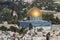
(34, 12)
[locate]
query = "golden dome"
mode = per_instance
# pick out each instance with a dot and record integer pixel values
(34, 12)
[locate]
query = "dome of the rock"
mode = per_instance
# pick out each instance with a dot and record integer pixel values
(34, 12)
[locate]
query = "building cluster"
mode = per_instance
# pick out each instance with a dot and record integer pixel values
(19, 0)
(12, 0)
(41, 29)
(57, 15)
(32, 34)
(8, 35)
(5, 24)
(55, 32)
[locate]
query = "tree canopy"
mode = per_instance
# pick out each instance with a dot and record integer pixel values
(22, 8)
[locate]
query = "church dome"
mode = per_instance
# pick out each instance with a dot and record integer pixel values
(34, 12)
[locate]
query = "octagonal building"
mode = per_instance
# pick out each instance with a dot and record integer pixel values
(35, 18)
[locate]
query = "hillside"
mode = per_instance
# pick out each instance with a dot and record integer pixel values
(21, 8)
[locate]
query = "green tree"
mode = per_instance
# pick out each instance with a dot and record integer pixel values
(48, 16)
(14, 29)
(40, 30)
(14, 20)
(22, 30)
(30, 26)
(3, 28)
